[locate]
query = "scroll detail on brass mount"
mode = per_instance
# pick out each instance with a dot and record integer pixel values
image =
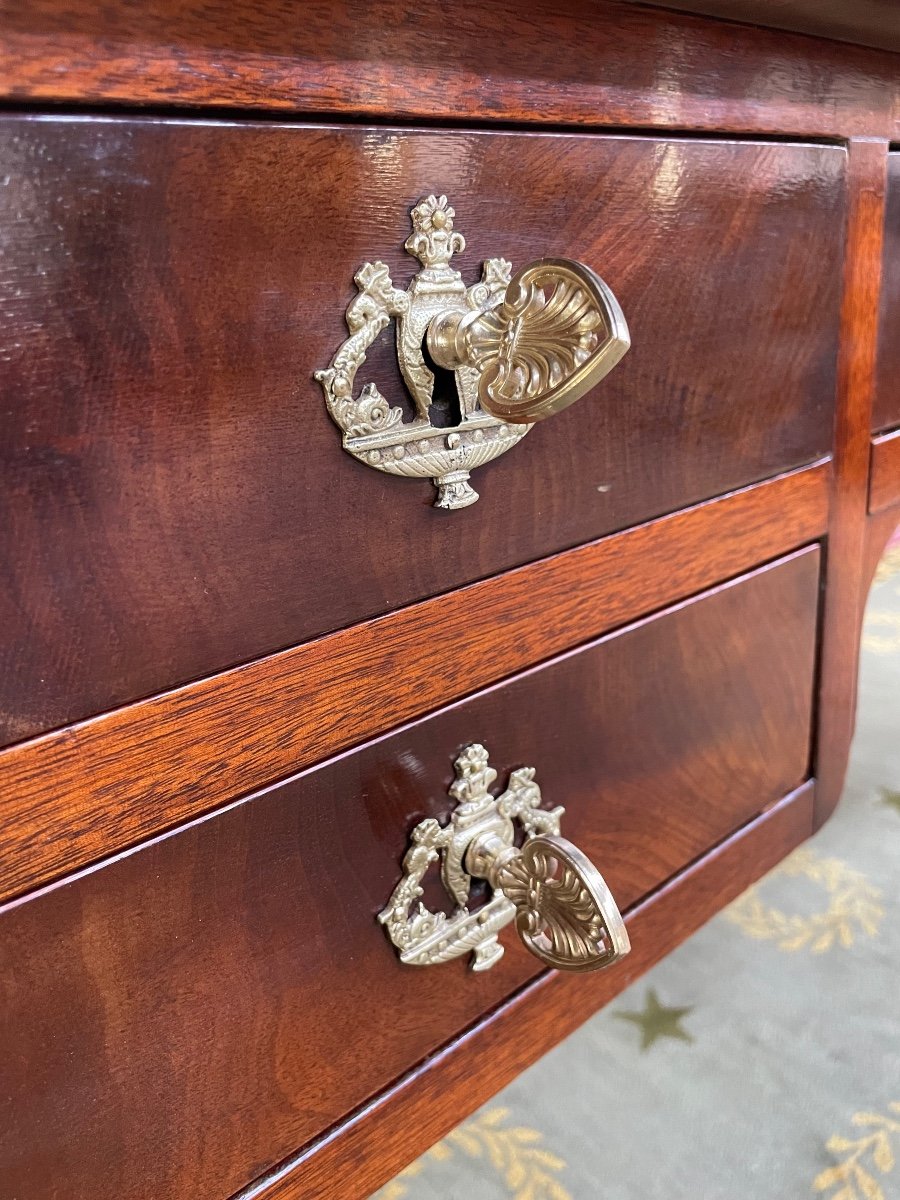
(563, 910)
(521, 348)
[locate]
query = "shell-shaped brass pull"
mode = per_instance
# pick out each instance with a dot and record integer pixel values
(557, 330)
(564, 912)
(521, 347)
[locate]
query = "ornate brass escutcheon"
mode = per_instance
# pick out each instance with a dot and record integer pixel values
(563, 910)
(521, 347)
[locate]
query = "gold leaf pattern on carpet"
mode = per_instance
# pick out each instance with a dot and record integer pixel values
(515, 1153)
(853, 907)
(889, 565)
(862, 1159)
(882, 632)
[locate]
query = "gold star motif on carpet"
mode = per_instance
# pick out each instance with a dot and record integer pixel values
(657, 1021)
(891, 798)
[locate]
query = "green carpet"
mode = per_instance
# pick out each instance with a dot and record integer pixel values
(761, 1060)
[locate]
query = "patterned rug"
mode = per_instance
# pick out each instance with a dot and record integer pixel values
(761, 1060)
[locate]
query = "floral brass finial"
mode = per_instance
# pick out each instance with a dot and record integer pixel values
(433, 241)
(474, 776)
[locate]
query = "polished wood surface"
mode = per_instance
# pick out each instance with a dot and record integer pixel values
(538, 61)
(170, 470)
(381, 1138)
(886, 407)
(845, 581)
(88, 791)
(166, 464)
(884, 482)
(863, 22)
(224, 995)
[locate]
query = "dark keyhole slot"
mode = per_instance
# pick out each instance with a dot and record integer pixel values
(444, 410)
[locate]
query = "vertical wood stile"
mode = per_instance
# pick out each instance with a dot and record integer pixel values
(844, 571)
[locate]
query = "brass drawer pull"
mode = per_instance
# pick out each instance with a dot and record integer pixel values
(521, 347)
(538, 350)
(563, 910)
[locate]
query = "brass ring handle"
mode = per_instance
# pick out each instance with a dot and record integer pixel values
(554, 334)
(521, 348)
(563, 910)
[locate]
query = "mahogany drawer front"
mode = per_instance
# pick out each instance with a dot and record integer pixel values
(187, 1015)
(176, 499)
(886, 402)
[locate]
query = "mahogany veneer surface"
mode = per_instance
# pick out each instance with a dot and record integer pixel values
(84, 792)
(170, 472)
(542, 61)
(217, 1009)
(186, 1016)
(886, 406)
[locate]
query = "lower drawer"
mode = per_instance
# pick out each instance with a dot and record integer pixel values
(187, 1015)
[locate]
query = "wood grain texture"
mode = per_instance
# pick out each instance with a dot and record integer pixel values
(176, 499)
(884, 481)
(557, 61)
(845, 588)
(862, 22)
(194, 1011)
(383, 1137)
(88, 791)
(886, 405)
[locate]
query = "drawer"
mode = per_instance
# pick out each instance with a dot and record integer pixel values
(188, 1014)
(175, 496)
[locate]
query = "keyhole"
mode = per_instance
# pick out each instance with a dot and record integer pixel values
(444, 411)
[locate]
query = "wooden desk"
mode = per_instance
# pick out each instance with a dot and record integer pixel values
(237, 664)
